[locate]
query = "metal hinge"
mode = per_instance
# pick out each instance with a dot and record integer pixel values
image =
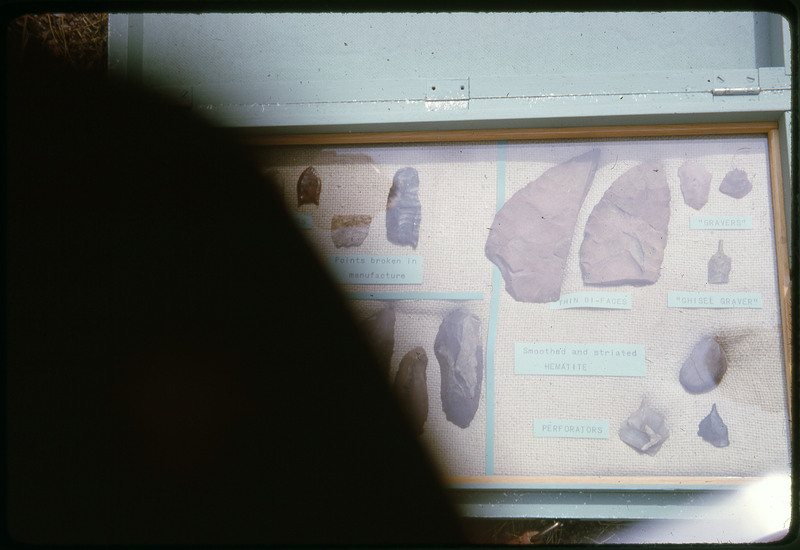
(736, 83)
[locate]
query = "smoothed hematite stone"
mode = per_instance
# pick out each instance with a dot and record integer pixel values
(695, 184)
(705, 367)
(411, 385)
(713, 429)
(719, 266)
(459, 350)
(403, 209)
(379, 330)
(349, 230)
(626, 233)
(645, 430)
(735, 184)
(532, 233)
(309, 187)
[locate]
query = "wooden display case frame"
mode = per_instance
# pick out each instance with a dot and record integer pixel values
(766, 129)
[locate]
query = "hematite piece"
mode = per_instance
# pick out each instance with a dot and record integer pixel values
(403, 209)
(735, 184)
(379, 331)
(719, 266)
(411, 384)
(705, 367)
(349, 230)
(626, 233)
(695, 184)
(713, 429)
(645, 430)
(532, 233)
(309, 187)
(459, 350)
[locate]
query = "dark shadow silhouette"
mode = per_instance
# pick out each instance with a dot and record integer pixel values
(179, 367)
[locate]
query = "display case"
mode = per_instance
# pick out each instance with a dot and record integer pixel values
(482, 107)
(592, 305)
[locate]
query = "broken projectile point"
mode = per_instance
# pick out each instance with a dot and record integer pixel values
(695, 184)
(735, 184)
(532, 233)
(719, 266)
(645, 430)
(378, 329)
(626, 233)
(459, 350)
(713, 429)
(411, 385)
(349, 230)
(309, 187)
(705, 367)
(403, 208)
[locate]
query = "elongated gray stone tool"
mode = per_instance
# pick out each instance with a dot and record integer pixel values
(695, 184)
(719, 267)
(532, 233)
(735, 184)
(459, 350)
(411, 385)
(626, 233)
(705, 367)
(713, 429)
(403, 209)
(645, 430)
(379, 330)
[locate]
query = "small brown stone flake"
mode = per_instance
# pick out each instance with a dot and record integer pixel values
(349, 230)
(309, 187)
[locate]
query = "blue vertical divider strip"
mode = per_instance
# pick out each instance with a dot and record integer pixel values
(490, 341)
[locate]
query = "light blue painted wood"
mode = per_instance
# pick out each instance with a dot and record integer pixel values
(372, 72)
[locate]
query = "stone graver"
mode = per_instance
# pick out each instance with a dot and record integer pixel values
(403, 209)
(378, 329)
(532, 233)
(411, 385)
(459, 350)
(645, 430)
(705, 367)
(349, 231)
(735, 184)
(309, 187)
(719, 266)
(713, 429)
(626, 233)
(695, 184)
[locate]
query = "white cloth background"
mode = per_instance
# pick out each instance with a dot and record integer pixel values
(458, 195)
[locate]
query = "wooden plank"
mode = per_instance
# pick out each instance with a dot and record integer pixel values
(598, 480)
(782, 259)
(511, 134)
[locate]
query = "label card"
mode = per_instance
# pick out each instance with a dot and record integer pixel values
(721, 222)
(304, 221)
(579, 359)
(552, 427)
(715, 300)
(351, 269)
(598, 300)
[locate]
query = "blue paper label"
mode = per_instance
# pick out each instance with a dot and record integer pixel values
(721, 222)
(351, 269)
(304, 221)
(553, 427)
(595, 300)
(579, 359)
(715, 300)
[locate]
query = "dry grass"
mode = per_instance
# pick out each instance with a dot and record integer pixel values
(546, 532)
(80, 40)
